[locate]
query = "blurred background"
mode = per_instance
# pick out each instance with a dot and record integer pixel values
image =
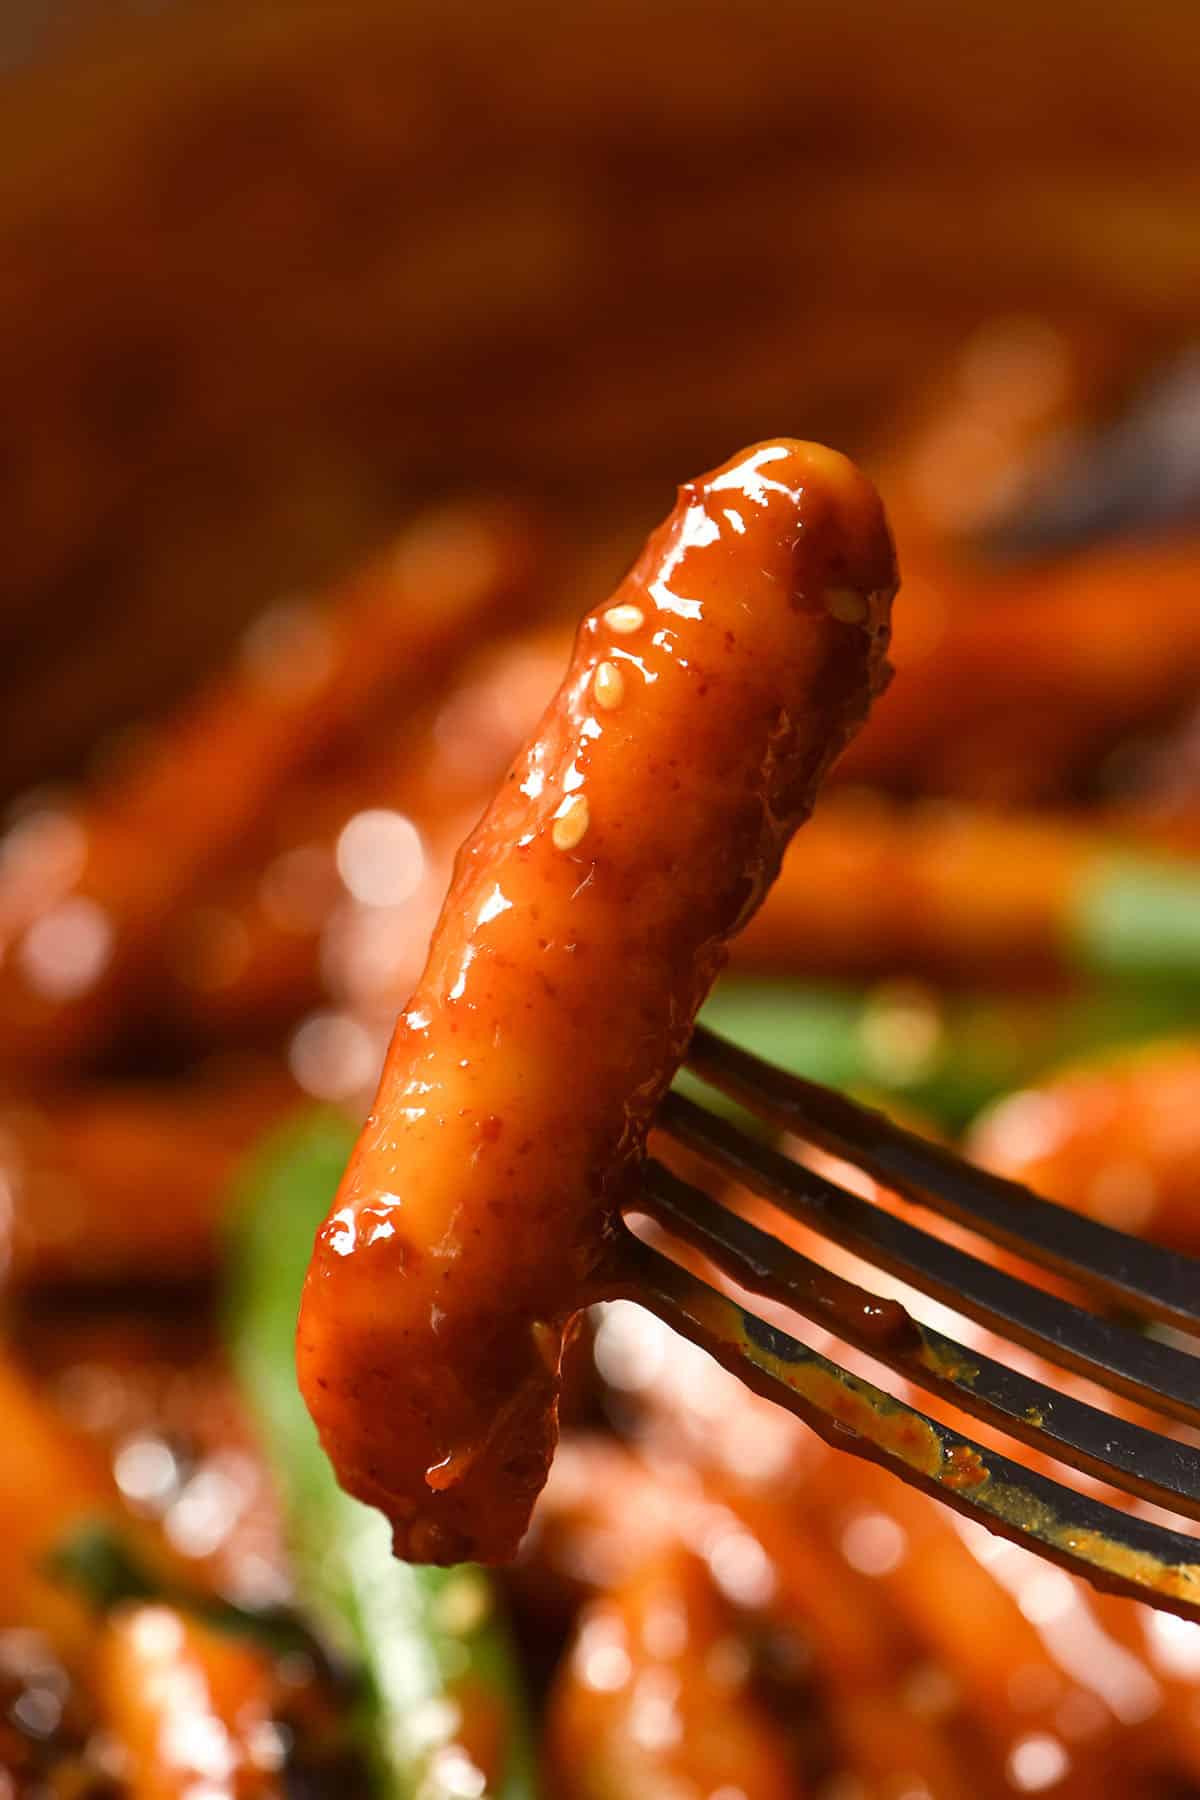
(346, 354)
(273, 273)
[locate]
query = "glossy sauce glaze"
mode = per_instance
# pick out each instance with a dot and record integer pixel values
(586, 921)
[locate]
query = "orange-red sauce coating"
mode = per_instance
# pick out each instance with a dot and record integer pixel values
(587, 919)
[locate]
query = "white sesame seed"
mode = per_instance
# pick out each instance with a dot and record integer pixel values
(608, 685)
(624, 620)
(547, 1343)
(846, 604)
(570, 822)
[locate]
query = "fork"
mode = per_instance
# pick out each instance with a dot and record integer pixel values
(1117, 1550)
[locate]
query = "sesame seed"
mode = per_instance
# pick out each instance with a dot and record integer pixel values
(608, 685)
(548, 1344)
(570, 822)
(624, 620)
(846, 604)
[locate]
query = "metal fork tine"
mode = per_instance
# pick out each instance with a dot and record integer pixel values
(1114, 1550)
(1157, 1283)
(1129, 1456)
(1161, 1376)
